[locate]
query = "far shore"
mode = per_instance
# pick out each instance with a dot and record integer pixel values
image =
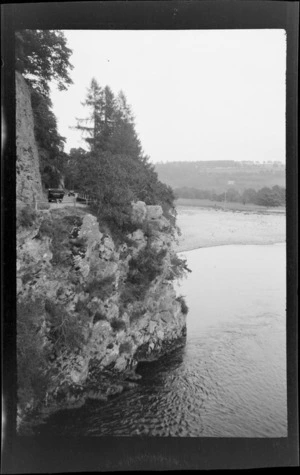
(228, 205)
(210, 227)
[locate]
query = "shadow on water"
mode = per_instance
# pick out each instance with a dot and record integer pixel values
(122, 414)
(155, 372)
(229, 380)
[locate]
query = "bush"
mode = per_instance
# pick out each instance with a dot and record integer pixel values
(146, 266)
(79, 306)
(101, 288)
(59, 231)
(138, 312)
(99, 317)
(178, 267)
(184, 307)
(117, 325)
(143, 269)
(32, 354)
(125, 347)
(66, 331)
(26, 217)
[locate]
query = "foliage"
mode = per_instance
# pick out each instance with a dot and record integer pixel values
(26, 216)
(66, 331)
(100, 288)
(271, 197)
(125, 347)
(117, 325)
(115, 171)
(138, 311)
(178, 267)
(213, 176)
(58, 229)
(43, 56)
(184, 307)
(99, 317)
(32, 354)
(143, 269)
(110, 124)
(45, 124)
(265, 196)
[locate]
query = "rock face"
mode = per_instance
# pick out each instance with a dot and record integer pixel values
(27, 166)
(88, 310)
(119, 302)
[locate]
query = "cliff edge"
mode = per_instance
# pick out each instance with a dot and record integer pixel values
(90, 307)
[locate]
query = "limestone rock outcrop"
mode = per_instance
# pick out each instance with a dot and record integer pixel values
(118, 300)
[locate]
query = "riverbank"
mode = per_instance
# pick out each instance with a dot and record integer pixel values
(209, 227)
(228, 205)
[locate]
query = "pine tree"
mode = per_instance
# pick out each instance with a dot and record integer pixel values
(91, 125)
(124, 139)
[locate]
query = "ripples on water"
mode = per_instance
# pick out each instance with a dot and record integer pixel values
(230, 378)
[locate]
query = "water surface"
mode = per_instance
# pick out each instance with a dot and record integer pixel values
(230, 378)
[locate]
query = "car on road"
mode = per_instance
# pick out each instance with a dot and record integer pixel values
(71, 193)
(56, 195)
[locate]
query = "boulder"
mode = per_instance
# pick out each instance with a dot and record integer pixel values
(139, 212)
(121, 364)
(154, 212)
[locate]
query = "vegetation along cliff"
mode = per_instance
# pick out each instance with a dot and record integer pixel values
(95, 292)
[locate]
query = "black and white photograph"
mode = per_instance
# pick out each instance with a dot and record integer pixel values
(151, 233)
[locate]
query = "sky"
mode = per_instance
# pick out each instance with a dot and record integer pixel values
(195, 94)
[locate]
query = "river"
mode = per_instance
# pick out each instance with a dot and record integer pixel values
(230, 378)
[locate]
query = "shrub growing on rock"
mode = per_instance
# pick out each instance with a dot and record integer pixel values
(117, 325)
(66, 331)
(178, 267)
(100, 288)
(125, 347)
(143, 269)
(26, 217)
(184, 307)
(32, 353)
(98, 317)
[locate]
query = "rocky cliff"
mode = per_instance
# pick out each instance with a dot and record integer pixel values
(95, 308)
(29, 184)
(90, 307)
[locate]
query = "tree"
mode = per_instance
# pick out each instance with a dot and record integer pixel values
(43, 56)
(91, 125)
(74, 164)
(249, 196)
(124, 139)
(268, 197)
(45, 125)
(115, 171)
(110, 123)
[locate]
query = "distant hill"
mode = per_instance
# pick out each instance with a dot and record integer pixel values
(220, 174)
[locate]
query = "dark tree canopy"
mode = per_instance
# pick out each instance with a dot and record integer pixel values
(43, 56)
(115, 171)
(45, 125)
(110, 124)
